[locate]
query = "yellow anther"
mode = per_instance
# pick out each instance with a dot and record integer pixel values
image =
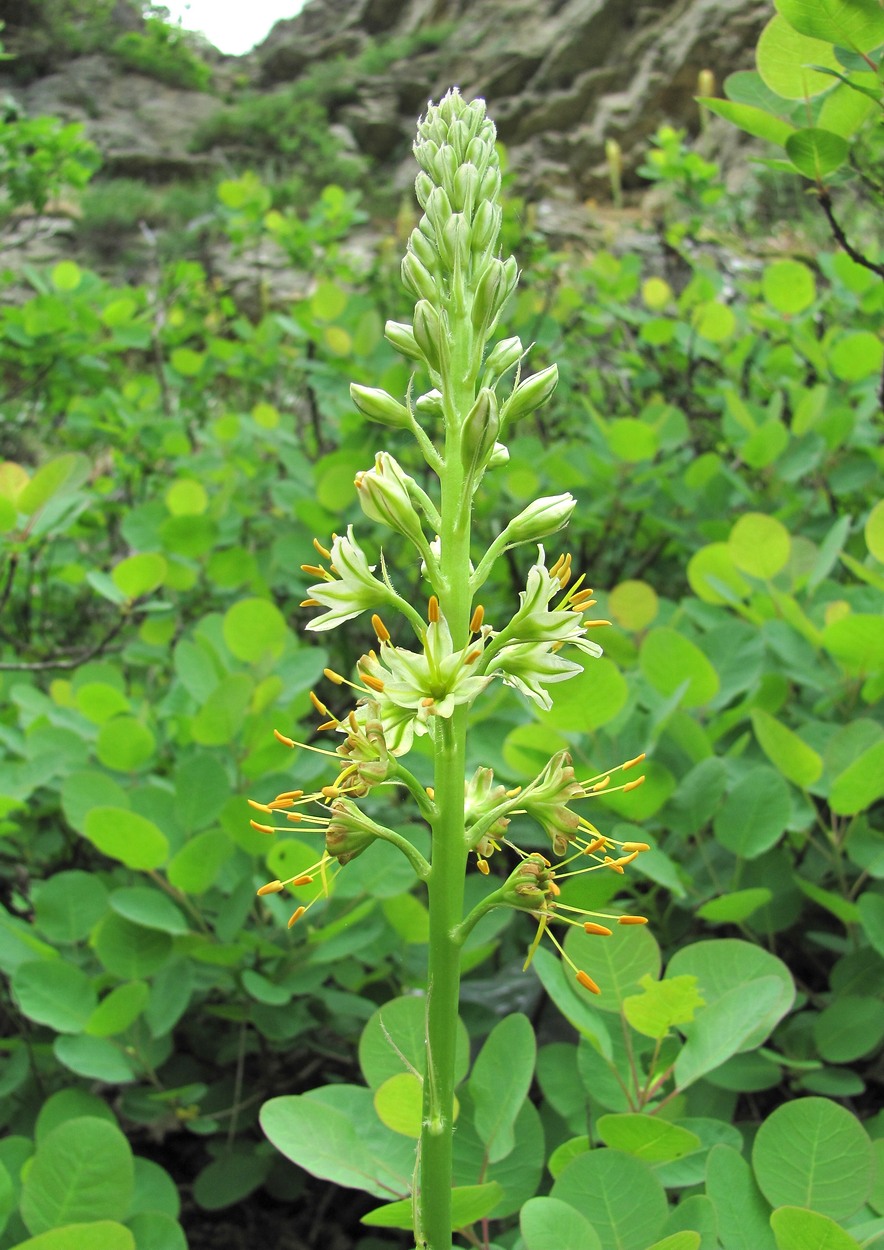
(294, 817)
(309, 603)
(627, 859)
(552, 889)
(600, 930)
(333, 676)
(431, 793)
(633, 785)
(635, 846)
(286, 742)
(632, 920)
(482, 865)
(632, 763)
(433, 609)
(373, 683)
(262, 828)
(383, 634)
(288, 794)
(272, 887)
(587, 982)
(304, 879)
(597, 845)
(330, 792)
(614, 864)
(428, 701)
(476, 619)
(326, 555)
(511, 794)
(315, 571)
(296, 916)
(278, 804)
(471, 657)
(328, 724)
(600, 785)
(259, 807)
(319, 705)
(593, 624)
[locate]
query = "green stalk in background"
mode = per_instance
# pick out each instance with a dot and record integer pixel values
(461, 285)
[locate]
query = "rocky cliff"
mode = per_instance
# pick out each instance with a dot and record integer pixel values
(560, 77)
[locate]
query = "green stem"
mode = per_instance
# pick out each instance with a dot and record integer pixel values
(446, 880)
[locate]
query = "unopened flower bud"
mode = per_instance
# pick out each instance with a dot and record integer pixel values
(430, 405)
(499, 456)
(438, 209)
(459, 137)
(544, 516)
(378, 406)
(530, 394)
(423, 249)
(486, 226)
(479, 153)
(503, 356)
(417, 278)
(480, 432)
(428, 333)
(487, 298)
(402, 338)
(384, 496)
(349, 832)
(466, 185)
(423, 186)
(489, 188)
(454, 245)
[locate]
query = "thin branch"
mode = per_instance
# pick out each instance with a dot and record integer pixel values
(826, 204)
(37, 666)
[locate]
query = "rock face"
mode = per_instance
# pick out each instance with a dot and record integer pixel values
(560, 76)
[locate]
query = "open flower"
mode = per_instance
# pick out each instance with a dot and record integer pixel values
(348, 587)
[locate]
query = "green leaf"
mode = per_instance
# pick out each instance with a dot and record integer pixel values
(194, 868)
(723, 1027)
(58, 476)
(788, 286)
(797, 1229)
(619, 1196)
(128, 837)
(96, 1235)
(812, 1153)
(618, 963)
(229, 1178)
(221, 716)
(81, 1171)
(647, 1138)
(498, 1089)
(254, 630)
(661, 1005)
(400, 1025)
(857, 641)
(849, 1028)
(755, 814)
(325, 1142)
(798, 762)
(550, 1224)
(741, 1211)
(519, 1174)
(154, 1230)
(784, 57)
(854, 24)
(399, 1103)
(856, 355)
(871, 910)
(54, 993)
(589, 700)
(70, 1104)
(755, 121)
(140, 574)
(714, 577)
(68, 905)
(468, 1204)
(571, 1001)
(66, 276)
(719, 964)
(759, 545)
(873, 531)
(816, 152)
(685, 1239)
(118, 1010)
(668, 660)
(125, 744)
(186, 361)
(130, 951)
(150, 908)
(735, 907)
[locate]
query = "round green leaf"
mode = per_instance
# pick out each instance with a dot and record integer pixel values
(95, 1058)
(633, 604)
(713, 577)
(81, 1171)
(187, 497)
(99, 701)
(854, 24)
(721, 963)
(140, 574)
(399, 1104)
(125, 744)
(154, 1230)
(404, 1021)
(742, 1213)
(797, 1229)
(128, 837)
(194, 868)
(874, 531)
(550, 1224)
(220, 718)
(87, 789)
(755, 814)
(618, 1194)
(328, 301)
(128, 950)
(616, 963)
(788, 286)
(186, 361)
(498, 1095)
(860, 784)
(97, 1235)
(815, 152)
(755, 121)
(154, 1190)
(54, 993)
(856, 356)
(857, 640)
(118, 1009)
(759, 545)
(654, 1141)
(813, 1153)
(849, 1028)
(784, 57)
(631, 440)
(149, 908)
(66, 276)
(668, 660)
(68, 905)
(527, 748)
(798, 762)
(714, 322)
(589, 700)
(735, 907)
(229, 1179)
(58, 476)
(70, 1104)
(725, 1026)
(254, 629)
